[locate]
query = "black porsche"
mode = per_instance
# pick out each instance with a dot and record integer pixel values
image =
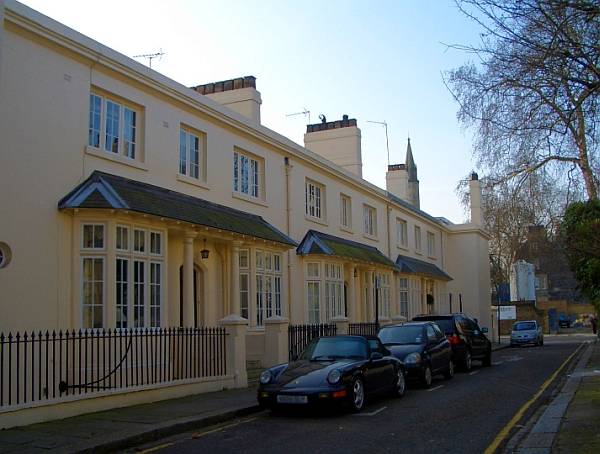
(337, 369)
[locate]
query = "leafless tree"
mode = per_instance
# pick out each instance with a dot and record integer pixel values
(531, 94)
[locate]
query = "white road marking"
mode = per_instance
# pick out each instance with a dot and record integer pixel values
(373, 413)
(511, 359)
(474, 372)
(497, 363)
(437, 387)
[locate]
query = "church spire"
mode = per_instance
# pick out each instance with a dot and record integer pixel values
(410, 164)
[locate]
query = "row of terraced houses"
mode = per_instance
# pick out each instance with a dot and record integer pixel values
(154, 230)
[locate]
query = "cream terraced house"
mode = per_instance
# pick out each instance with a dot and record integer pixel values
(131, 201)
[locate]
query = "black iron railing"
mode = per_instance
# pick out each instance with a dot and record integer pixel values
(363, 329)
(37, 367)
(300, 335)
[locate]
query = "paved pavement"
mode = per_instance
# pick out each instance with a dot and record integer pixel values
(120, 428)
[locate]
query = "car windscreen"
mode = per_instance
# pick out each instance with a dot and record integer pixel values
(524, 326)
(326, 348)
(446, 324)
(402, 335)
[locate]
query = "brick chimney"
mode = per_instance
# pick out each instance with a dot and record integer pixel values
(238, 94)
(337, 141)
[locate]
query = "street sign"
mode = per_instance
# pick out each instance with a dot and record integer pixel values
(507, 312)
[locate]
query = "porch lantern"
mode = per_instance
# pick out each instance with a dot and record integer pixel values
(204, 252)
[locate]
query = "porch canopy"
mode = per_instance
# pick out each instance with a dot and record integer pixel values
(321, 243)
(103, 190)
(410, 265)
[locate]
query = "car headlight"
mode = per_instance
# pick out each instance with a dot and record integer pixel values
(413, 358)
(334, 376)
(265, 376)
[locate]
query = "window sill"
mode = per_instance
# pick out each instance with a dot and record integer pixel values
(192, 181)
(256, 330)
(431, 257)
(419, 252)
(246, 198)
(343, 228)
(402, 248)
(109, 156)
(316, 220)
(370, 237)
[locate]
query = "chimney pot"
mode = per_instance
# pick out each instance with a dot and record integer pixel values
(474, 176)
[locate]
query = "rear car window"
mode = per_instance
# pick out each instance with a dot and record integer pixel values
(446, 323)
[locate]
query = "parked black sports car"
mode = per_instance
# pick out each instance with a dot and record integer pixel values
(337, 369)
(423, 349)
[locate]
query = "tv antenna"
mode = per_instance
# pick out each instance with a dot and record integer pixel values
(387, 143)
(151, 57)
(305, 112)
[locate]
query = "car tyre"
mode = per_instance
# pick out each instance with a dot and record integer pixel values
(357, 395)
(468, 361)
(400, 385)
(449, 374)
(487, 359)
(427, 377)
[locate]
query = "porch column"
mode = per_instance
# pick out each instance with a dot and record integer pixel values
(188, 280)
(235, 277)
(370, 309)
(351, 297)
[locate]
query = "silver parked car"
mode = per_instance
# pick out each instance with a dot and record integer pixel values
(526, 332)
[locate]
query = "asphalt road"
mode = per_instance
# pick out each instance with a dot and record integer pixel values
(462, 415)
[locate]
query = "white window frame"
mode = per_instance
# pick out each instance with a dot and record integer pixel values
(314, 199)
(401, 232)
(127, 134)
(334, 291)
(313, 290)
(155, 233)
(418, 240)
(370, 220)
(249, 168)
(384, 293)
(403, 284)
(192, 146)
(93, 225)
(102, 303)
(345, 211)
(268, 292)
(431, 249)
(245, 291)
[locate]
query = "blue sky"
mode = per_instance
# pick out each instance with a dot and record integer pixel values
(371, 60)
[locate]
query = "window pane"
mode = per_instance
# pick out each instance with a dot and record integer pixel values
(123, 238)
(194, 156)
(182, 152)
(129, 131)
(244, 258)
(94, 121)
(139, 242)
(122, 292)
(155, 294)
(244, 174)
(244, 295)
(88, 236)
(155, 243)
(98, 237)
(113, 113)
(235, 172)
(254, 173)
(138, 293)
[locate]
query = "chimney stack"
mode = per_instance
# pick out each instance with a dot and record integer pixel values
(338, 141)
(238, 94)
(475, 195)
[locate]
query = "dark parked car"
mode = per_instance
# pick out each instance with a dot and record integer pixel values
(422, 347)
(564, 321)
(467, 339)
(336, 369)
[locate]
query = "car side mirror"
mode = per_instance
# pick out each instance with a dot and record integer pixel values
(484, 330)
(376, 355)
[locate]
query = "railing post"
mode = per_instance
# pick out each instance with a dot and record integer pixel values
(276, 341)
(236, 327)
(342, 326)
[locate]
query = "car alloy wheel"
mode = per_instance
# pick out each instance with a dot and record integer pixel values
(358, 395)
(468, 362)
(400, 387)
(450, 371)
(427, 377)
